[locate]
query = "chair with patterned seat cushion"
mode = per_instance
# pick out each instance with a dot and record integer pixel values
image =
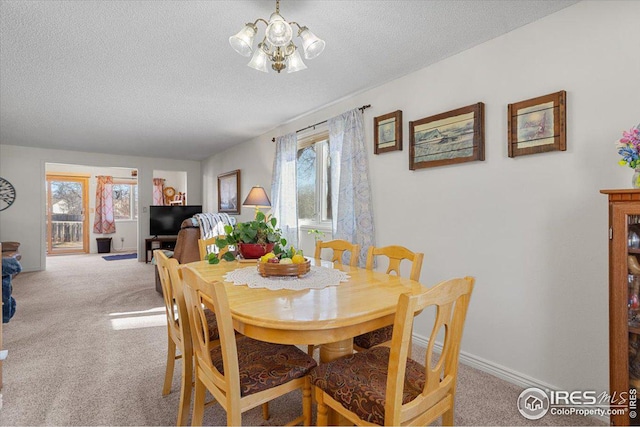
(383, 385)
(395, 255)
(178, 331)
(241, 373)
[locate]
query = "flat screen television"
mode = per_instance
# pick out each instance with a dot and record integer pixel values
(166, 220)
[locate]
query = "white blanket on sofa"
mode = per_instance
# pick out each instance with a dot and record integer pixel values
(212, 224)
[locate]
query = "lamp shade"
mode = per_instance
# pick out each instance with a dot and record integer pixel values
(259, 60)
(311, 44)
(243, 41)
(257, 197)
(295, 63)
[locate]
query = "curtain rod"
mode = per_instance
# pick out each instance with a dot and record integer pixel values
(364, 107)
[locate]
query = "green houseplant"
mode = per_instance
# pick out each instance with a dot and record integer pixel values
(261, 233)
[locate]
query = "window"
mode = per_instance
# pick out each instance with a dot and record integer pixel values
(314, 186)
(125, 200)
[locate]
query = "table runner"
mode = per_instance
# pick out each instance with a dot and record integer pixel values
(317, 278)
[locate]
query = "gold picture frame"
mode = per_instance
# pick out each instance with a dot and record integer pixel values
(537, 125)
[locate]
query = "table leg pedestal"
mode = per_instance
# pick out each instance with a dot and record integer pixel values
(334, 350)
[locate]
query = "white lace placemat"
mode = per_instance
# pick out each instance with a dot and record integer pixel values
(317, 278)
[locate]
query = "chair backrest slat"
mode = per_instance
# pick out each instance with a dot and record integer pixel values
(204, 244)
(396, 254)
(173, 296)
(339, 247)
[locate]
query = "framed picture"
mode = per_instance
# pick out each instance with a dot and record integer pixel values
(537, 125)
(456, 136)
(229, 192)
(387, 132)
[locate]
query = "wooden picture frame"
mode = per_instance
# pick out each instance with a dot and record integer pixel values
(229, 192)
(456, 136)
(387, 132)
(537, 125)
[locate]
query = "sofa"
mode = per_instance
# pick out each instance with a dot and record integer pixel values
(186, 249)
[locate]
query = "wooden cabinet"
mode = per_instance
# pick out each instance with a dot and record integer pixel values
(624, 303)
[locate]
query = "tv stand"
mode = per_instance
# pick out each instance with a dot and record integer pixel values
(153, 243)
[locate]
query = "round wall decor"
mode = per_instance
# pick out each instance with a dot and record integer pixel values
(7, 194)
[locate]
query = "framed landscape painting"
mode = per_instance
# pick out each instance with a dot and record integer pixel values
(456, 136)
(387, 132)
(229, 192)
(537, 125)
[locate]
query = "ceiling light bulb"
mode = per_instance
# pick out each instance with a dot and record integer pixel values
(311, 44)
(295, 63)
(279, 32)
(243, 41)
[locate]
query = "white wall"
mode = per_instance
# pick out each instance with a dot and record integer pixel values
(532, 230)
(24, 167)
(125, 229)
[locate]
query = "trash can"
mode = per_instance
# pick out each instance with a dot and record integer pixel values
(104, 245)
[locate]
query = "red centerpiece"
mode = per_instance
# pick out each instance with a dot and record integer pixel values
(254, 250)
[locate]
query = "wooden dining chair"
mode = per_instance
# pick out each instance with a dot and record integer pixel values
(339, 247)
(179, 333)
(383, 385)
(203, 245)
(241, 373)
(395, 255)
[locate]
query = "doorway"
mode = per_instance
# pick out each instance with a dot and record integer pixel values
(67, 223)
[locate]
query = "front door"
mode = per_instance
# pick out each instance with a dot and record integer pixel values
(67, 222)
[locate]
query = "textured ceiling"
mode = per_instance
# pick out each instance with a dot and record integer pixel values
(158, 78)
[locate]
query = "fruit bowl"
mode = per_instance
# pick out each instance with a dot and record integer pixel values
(267, 269)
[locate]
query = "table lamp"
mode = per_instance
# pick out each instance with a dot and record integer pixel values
(257, 198)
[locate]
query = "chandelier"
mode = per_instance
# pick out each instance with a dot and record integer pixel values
(277, 45)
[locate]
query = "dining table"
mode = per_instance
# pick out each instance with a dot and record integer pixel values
(329, 315)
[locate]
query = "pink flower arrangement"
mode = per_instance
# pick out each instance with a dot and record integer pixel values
(629, 148)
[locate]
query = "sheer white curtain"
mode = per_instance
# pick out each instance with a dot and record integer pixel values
(284, 190)
(352, 213)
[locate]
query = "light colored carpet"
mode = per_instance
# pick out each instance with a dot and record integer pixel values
(87, 347)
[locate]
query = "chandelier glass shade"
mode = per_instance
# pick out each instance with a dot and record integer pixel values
(277, 47)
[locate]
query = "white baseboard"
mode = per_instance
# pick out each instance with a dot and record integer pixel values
(499, 371)
(124, 250)
(502, 372)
